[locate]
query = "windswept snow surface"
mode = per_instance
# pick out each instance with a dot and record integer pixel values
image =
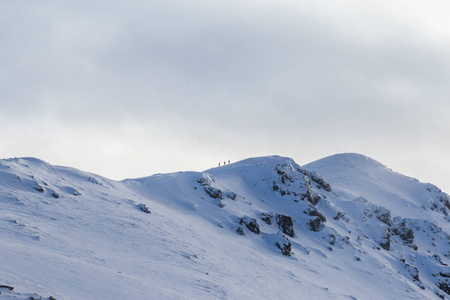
(262, 228)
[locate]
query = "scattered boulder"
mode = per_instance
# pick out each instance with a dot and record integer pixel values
(285, 224)
(250, 223)
(413, 271)
(144, 208)
(446, 275)
(231, 195)
(405, 232)
(383, 214)
(267, 218)
(444, 285)
(93, 180)
(213, 192)
(240, 231)
(445, 199)
(312, 211)
(385, 242)
(341, 215)
(311, 197)
(315, 224)
(284, 245)
(38, 187)
(332, 239)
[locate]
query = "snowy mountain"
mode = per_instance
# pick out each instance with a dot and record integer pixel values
(343, 227)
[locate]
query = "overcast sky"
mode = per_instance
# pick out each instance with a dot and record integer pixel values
(133, 88)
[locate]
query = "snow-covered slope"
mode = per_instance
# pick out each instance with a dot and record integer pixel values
(261, 228)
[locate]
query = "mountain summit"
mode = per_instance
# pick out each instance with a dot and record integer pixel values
(343, 227)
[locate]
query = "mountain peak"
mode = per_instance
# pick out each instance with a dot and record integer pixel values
(346, 160)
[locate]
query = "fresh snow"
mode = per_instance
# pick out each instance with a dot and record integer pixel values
(350, 228)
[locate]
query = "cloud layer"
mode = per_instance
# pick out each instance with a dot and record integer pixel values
(128, 89)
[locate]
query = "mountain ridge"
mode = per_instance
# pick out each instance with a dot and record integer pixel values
(224, 233)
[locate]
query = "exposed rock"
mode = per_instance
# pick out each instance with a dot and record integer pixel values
(93, 180)
(405, 232)
(445, 199)
(284, 244)
(439, 259)
(341, 216)
(267, 218)
(293, 181)
(213, 192)
(383, 214)
(310, 197)
(385, 242)
(207, 179)
(230, 195)
(444, 285)
(250, 223)
(144, 208)
(312, 211)
(240, 231)
(275, 187)
(321, 183)
(285, 224)
(413, 271)
(315, 224)
(38, 187)
(440, 296)
(332, 239)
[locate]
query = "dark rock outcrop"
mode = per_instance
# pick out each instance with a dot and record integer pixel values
(231, 195)
(444, 285)
(144, 208)
(267, 218)
(312, 211)
(250, 223)
(321, 183)
(285, 224)
(213, 192)
(315, 224)
(383, 214)
(284, 245)
(341, 216)
(385, 242)
(405, 232)
(240, 231)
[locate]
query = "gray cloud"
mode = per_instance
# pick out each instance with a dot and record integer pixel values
(188, 83)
